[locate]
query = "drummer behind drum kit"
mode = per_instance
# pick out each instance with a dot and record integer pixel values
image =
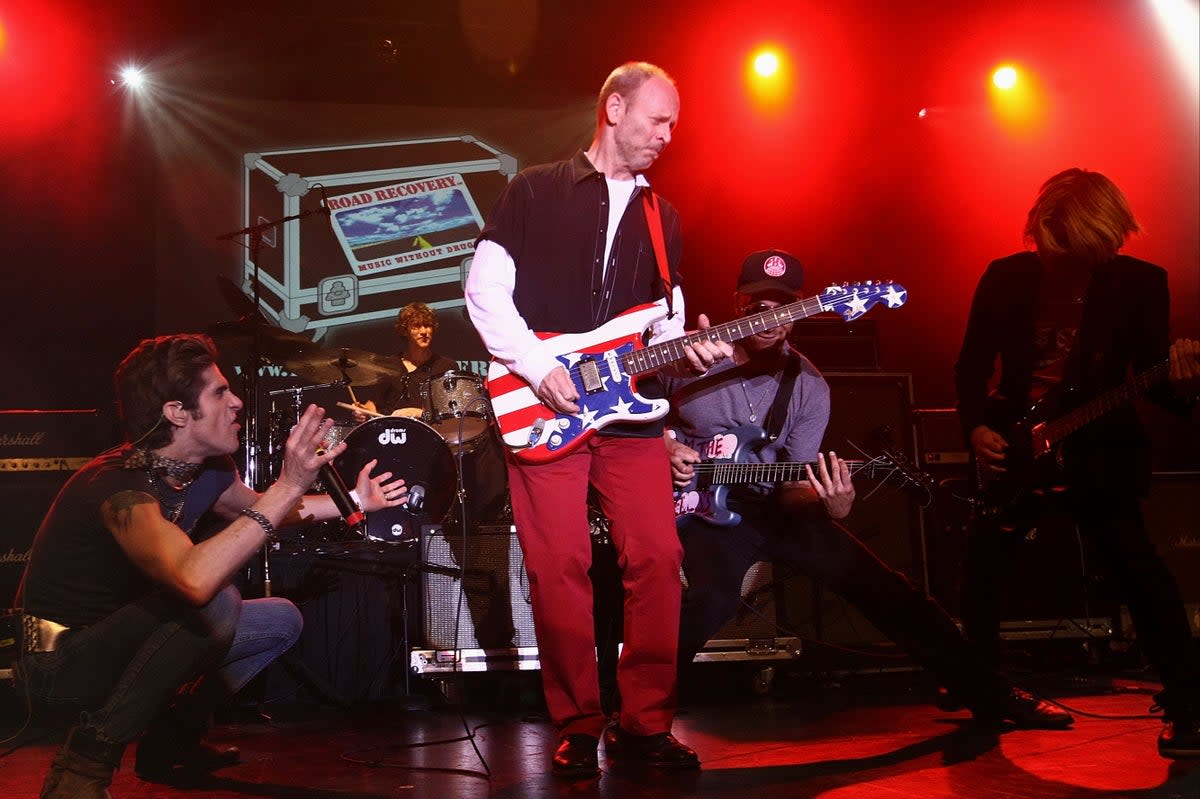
(449, 457)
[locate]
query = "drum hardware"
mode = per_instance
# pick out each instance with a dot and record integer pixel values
(357, 367)
(457, 406)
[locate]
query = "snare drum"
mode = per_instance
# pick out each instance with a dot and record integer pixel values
(457, 407)
(414, 451)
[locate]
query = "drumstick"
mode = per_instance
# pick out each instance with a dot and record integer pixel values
(360, 409)
(353, 398)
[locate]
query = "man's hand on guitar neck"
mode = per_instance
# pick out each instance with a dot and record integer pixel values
(989, 447)
(830, 485)
(702, 355)
(683, 459)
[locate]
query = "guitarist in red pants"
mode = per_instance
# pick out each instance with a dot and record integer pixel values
(793, 521)
(567, 249)
(1070, 322)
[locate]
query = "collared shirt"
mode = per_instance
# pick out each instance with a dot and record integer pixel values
(540, 264)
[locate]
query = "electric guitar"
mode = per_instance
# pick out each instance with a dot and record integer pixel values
(1033, 460)
(604, 363)
(725, 464)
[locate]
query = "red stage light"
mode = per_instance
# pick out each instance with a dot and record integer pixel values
(1004, 77)
(766, 64)
(767, 77)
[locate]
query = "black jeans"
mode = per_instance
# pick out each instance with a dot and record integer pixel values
(716, 560)
(123, 670)
(1114, 530)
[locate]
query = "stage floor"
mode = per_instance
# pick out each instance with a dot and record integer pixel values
(861, 735)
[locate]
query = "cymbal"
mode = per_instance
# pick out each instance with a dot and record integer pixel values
(237, 340)
(363, 367)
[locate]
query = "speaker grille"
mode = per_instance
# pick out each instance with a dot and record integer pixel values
(490, 607)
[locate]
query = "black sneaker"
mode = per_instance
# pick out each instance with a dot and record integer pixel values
(661, 750)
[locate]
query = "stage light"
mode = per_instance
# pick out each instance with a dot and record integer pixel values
(767, 78)
(1017, 98)
(1004, 77)
(766, 64)
(131, 77)
(1179, 21)
(924, 112)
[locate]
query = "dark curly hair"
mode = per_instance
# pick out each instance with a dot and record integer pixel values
(157, 371)
(415, 313)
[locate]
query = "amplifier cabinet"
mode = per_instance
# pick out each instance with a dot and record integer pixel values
(1172, 512)
(39, 451)
(489, 608)
(869, 412)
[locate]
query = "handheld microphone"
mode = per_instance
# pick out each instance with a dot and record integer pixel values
(340, 495)
(416, 498)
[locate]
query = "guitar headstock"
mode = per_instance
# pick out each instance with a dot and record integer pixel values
(852, 300)
(912, 476)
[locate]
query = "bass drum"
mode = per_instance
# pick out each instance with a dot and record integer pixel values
(409, 449)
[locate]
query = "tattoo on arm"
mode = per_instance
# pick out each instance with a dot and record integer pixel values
(118, 509)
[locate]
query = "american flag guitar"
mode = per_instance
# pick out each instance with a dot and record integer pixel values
(604, 364)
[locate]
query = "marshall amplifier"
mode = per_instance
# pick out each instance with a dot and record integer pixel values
(39, 450)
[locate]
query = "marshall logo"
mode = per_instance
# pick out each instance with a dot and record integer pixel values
(393, 437)
(22, 439)
(1184, 541)
(13, 556)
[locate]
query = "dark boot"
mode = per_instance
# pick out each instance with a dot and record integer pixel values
(1180, 736)
(171, 749)
(83, 767)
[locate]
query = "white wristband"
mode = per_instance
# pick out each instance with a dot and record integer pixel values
(354, 496)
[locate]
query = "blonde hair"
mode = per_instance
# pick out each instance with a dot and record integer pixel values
(1082, 215)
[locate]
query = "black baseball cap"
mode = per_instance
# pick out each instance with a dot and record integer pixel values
(771, 270)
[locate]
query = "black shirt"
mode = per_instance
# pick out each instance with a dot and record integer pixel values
(77, 573)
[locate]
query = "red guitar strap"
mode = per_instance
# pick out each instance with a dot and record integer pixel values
(654, 223)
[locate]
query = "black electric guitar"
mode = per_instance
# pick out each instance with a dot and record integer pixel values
(725, 464)
(1033, 460)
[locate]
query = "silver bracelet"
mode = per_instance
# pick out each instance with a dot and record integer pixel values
(262, 520)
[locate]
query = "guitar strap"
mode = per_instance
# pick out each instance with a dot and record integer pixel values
(773, 424)
(654, 223)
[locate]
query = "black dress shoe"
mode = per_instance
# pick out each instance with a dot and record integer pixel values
(1025, 712)
(661, 750)
(575, 757)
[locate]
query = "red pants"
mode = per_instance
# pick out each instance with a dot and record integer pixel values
(632, 477)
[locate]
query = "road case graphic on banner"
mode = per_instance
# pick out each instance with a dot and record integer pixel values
(401, 226)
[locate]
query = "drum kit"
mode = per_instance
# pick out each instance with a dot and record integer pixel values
(450, 457)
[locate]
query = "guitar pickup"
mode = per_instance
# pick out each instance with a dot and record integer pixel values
(589, 375)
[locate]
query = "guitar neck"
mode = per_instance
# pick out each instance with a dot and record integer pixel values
(656, 356)
(719, 473)
(1127, 392)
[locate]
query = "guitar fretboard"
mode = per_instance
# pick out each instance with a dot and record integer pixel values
(1127, 392)
(719, 473)
(657, 356)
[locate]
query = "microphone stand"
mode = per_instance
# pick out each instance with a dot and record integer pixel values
(251, 476)
(254, 234)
